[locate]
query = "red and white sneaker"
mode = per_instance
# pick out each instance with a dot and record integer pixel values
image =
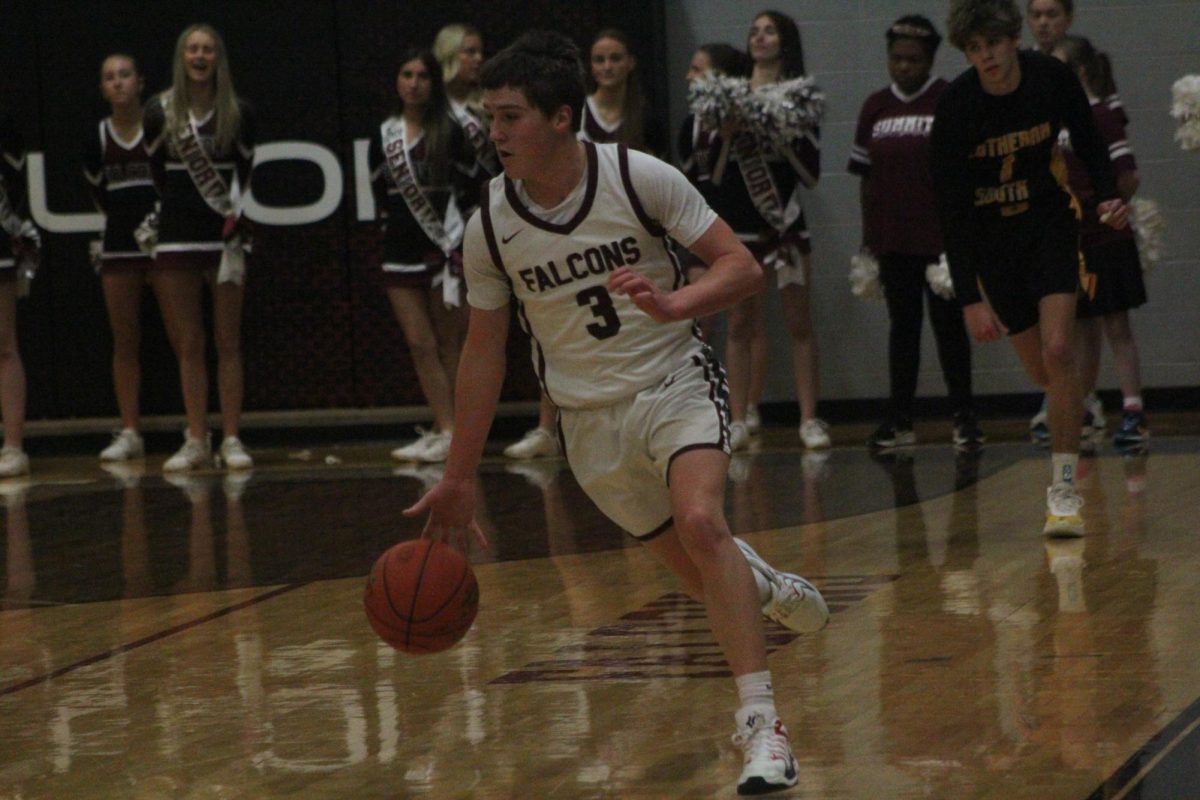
(769, 764)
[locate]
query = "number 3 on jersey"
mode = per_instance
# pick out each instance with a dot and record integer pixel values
(600, 301)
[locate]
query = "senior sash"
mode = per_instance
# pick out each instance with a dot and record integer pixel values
(784, 253)
(477, 137)
(215, 191)
(447, 233)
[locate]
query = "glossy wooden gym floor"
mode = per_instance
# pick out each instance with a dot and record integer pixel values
(206, 639)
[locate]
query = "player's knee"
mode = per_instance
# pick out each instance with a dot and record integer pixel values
(701, 530)
(1058, 353)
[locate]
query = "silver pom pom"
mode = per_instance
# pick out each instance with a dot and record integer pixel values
(714, 98)
(783, 111)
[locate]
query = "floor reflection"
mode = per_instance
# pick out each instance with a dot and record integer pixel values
(203, 636)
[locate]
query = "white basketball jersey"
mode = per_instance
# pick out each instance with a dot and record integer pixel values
(590, 348)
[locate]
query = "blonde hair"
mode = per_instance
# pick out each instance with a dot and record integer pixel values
(446, 47)
(178, 98)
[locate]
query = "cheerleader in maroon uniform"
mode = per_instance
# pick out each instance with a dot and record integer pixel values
(421, 169)
(900, 226)
(1114, 282)
(201, 136)
(459, 50)
(766, 212)
(694, 147)
(19, 245)
(119, 172)
(616, 109)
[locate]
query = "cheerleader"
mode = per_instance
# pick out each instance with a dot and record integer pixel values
(616, 110)
(458, 49)
(19, 251)
(694, 144)
(201, 134)
(900, 226)
(1114, 283)
(421, 167)
(119, 174)
(767, 214)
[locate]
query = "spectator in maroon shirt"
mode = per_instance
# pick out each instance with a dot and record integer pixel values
(900, 226)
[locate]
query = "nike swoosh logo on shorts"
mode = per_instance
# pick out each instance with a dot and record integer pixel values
(510, 237)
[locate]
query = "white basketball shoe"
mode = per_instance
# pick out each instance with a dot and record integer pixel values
(768, 765)
(794, 603)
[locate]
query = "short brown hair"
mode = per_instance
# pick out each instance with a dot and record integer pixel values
(987, 17)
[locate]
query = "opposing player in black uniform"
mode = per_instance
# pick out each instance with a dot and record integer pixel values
(119, 172)
(201, 137)
(421, 167)
(1007, 217)
(19, 242)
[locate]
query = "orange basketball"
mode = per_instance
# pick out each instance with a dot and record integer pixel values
(421, 596)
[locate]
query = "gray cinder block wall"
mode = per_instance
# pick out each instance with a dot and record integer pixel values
(1151, 43)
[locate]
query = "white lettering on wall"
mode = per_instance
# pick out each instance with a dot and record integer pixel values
(333, 179)
(331, 195)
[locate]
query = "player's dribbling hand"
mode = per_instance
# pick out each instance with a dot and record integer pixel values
(982, 323)
(451, 508)
(1114, 213)
(643, 292)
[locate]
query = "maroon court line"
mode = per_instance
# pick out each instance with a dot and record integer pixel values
(154, 637)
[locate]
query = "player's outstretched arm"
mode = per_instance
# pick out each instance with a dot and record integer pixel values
(732, 275)
(451, 503)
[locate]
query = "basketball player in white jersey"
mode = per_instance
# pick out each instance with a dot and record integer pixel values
(575, 233)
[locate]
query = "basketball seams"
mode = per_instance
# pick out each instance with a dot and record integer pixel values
(408, 632)
(462, 579)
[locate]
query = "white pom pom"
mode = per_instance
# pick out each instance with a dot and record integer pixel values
(864, 277)
(1148, 224)
(1185, 108)
(937, 275)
